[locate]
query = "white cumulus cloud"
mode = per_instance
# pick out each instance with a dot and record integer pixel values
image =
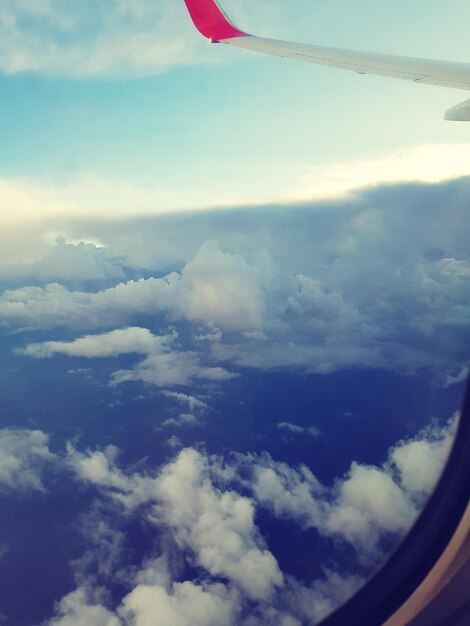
(120, 341)
(186, 604)
(163, 366)
(23, 455)
(195, 505)
(366, 504)
(213, 287)
(216, 527)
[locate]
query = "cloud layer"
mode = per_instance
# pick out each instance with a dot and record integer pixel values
(185, 304)
(196, 498)
(377, 283)
(209, 562)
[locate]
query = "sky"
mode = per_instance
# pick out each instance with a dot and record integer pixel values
(125, 104)
(234, 308)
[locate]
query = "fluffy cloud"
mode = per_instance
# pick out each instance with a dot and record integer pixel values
(169, 369)
(223, 289)
(212, 528)
(216, 527)
(183, 604)
(121, 341)
(320, 309)
(74, 609)
(213, 287)
(67, 262)
(186, 605)
(314, 602)
(368, 504)
(363, 506)
(196, 509)
(161, 367)
(55, 305)
(207, 604)
(419, 461)
(23, 455)
(286, 491)
(321, 287)
(196, 408)
(99, 468)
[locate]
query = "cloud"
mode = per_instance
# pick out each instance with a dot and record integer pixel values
(66, 262)
(320, 308)
(299, 430)
(214, 287)
(419, 461)
(371, 501)
(369, 504)
(162, 366)
(286, 491)
(458, 378)
(324, 595)
(238, 580)
(183, 419)
(174, 442)
(23, 456)
(55, 305)
(222, 289)
(363, 506)
(192, 402)
(74, 609)
(120, 341)
(217, 528)
(202, 512)
(169, 369)
(186, 605)
(88, 196)
(98, 467)
(366, 504)
(35, 205)
(105, 554)
(117, 38)
(379, 281)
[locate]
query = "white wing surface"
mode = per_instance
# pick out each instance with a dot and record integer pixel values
(212, 22)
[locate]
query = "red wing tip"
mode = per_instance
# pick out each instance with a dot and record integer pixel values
(211, 21)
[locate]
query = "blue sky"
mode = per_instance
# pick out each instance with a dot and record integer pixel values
(93, 100)
(227, 416)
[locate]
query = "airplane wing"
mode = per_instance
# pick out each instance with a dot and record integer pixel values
(212, 22)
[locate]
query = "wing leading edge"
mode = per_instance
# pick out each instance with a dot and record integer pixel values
(211, 21)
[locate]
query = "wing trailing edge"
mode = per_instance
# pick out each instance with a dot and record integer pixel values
(212, 22)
